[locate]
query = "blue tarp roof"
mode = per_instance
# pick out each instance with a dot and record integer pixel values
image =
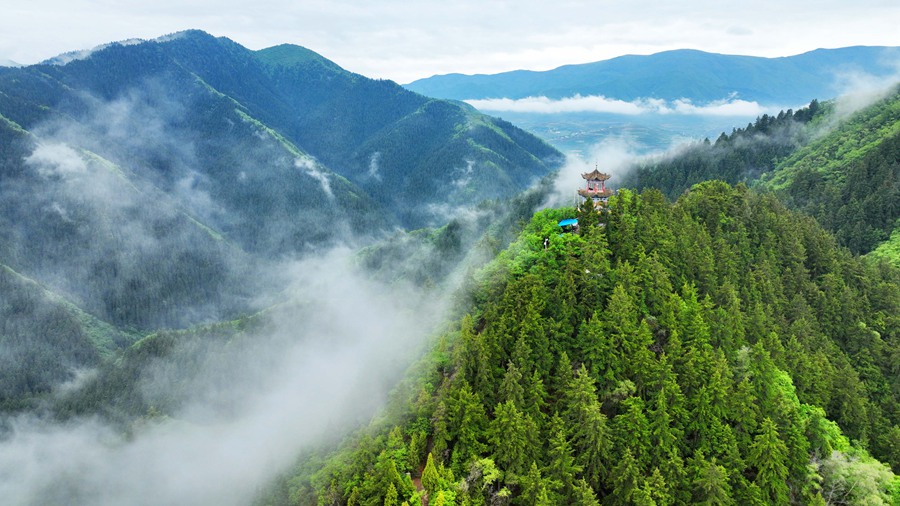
(570, 221)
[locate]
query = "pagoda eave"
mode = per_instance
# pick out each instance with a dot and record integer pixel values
(595, 194)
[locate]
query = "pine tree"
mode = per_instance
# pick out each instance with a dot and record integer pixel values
(584, 494)
(587, 426)
(626, 480)
(562, 469)
(511, 389)
(535, 398)
(430, 478)
(390, 497)
(468, 421)
(512, 437)
(711, 486)
(631, 429)
(417, 443)
(533, 488)
(768, 455)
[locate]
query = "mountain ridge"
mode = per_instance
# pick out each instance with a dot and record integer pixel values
(784, 81)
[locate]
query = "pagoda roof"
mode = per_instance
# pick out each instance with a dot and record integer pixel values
(596, 175)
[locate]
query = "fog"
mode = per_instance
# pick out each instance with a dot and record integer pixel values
(314, 373)
(331, 345)
(614, 156)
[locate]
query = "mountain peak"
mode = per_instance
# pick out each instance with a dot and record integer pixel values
(290, 55)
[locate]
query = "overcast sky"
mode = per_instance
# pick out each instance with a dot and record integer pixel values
(405, 40)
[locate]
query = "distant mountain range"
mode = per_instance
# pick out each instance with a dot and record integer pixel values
(671, 75)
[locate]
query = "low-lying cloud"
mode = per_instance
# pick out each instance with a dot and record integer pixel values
(730, 106)
(308, 377)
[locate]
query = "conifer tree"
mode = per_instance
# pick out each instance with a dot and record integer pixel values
(626, 480)
(512, 436)
(533, 488)
(390, 497)
(511, 389)
(584, 494)
(430, 477)
(768, 455)
(467, 421)
(535, 398)
(630, 429)
(711, 486)
(587, 426)
(562, 468)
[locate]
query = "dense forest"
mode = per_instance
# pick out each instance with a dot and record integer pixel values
(718, 350)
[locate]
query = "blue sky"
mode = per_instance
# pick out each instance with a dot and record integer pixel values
(405, 40)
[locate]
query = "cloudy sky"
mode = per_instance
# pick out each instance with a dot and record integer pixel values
(405, 40)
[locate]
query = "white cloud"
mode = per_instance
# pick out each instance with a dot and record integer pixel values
(309, 166)
(859, 89)
(614, 156)
(374, 171)
(57, 159)
(730, 106)
(314, 373)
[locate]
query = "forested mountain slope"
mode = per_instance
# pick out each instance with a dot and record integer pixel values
(157, 184)
(683, 353)
(374, 132)
(849, 179)
(844, 171)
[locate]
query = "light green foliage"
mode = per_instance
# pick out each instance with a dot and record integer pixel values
(430, 477)
(856, 478)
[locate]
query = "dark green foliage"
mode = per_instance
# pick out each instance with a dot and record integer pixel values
(152, 186)
(681, 380)
(44, 340)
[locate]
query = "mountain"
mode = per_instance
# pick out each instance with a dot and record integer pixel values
(159, 184)
(671, 75)
(718, 350)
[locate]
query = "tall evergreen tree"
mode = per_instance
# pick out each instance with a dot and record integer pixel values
(768, 455)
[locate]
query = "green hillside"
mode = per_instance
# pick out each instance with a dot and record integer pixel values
(849, 179)
(719, 350)
(844, 171)
(44, 338)
(739, 157)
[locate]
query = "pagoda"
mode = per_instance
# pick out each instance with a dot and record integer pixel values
(596, 188)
